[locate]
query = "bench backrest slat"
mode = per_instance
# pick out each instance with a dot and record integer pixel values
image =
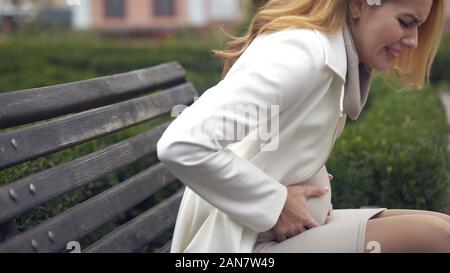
(140, 231)
(26, 106)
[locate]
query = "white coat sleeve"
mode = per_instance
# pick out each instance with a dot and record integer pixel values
(281, 69)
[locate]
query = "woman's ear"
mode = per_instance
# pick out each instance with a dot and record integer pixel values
(356, 8)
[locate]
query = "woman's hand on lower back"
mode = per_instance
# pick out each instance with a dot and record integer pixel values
(295, 217)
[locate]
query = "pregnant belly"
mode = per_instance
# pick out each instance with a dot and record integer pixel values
(317, 206)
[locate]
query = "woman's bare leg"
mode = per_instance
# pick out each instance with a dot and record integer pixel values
(408, 233)
(398, 212)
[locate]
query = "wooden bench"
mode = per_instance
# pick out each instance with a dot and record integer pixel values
(39, 122)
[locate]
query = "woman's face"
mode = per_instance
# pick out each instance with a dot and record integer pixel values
(383, 32)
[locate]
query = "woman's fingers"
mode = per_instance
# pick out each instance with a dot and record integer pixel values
(295, 218)
(311, 223)
(297, 231)
(315, 191)
(280, 237)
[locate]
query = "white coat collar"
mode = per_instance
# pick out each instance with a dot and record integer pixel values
(335, 54)
(341, 57)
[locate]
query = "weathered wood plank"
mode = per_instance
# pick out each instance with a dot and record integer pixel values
(29, 143)
(165, 248)
(66, 177)
(140, 231)
(78, 221)
(26, 106)
(8, 230)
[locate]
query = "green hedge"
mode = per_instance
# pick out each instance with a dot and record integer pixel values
(395, 155)
(28, 63)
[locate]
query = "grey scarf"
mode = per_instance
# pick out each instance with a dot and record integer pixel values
(359, 78)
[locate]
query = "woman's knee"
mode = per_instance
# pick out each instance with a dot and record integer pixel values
(409, 233)
(399, 212)
(434, 225)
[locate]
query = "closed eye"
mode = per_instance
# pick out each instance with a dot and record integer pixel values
(403, 23)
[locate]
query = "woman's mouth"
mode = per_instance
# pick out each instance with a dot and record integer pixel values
(392, 53)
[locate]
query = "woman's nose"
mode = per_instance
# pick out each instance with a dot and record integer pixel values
(411, 41)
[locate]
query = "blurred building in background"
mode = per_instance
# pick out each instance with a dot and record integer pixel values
(15, 12)
(11, 13)
(136, 17)
(130, 17)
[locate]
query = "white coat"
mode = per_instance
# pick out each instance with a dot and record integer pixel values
(236, 188)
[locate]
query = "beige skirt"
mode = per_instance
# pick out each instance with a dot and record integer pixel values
(342, 231)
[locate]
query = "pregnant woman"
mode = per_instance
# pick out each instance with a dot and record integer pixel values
(252, 149)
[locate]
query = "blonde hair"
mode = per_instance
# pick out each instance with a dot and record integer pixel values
(412, 68)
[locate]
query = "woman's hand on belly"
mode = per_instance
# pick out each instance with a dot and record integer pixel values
(295, 217)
